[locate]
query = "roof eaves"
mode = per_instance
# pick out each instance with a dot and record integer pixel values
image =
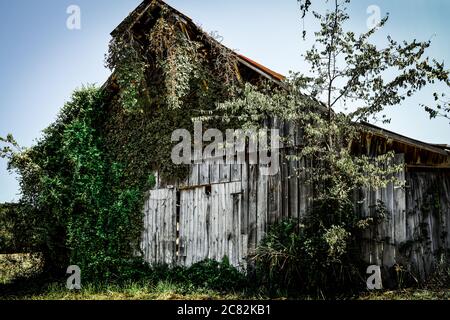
(439, 149)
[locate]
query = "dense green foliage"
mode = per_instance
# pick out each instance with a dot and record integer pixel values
(208, 274)
(204, 280)
(83, 184)
(73, 195)
(304, 258)
(7, 217)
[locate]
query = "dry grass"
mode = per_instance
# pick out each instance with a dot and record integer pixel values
(409, 294)
(132, 291)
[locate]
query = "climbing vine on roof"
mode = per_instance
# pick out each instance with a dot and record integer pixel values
(171, 67)
(159, 73)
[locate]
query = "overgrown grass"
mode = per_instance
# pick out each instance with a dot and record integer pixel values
(204, 281)
(408, 294)
(129, 291)
(164, 290)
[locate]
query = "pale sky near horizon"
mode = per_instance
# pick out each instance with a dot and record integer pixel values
(42, 61)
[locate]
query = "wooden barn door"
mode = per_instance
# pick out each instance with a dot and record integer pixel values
(160, 227)
(210, 224)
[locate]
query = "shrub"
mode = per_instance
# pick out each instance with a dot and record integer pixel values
(296, 257)
(207, 274)
(211, 274)
(441, 275)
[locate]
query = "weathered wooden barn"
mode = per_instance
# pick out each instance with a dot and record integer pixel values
(225, 210)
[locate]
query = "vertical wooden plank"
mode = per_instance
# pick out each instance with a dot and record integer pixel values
(389, 251)
(152, 234)
(144, 236)
(388, 200)
(262, 206)
(399, 200)
(147, 242)
(244, 251)
(237, 228)
(230, 222)
(158, 228)
(207, 224)
(214, 170)
(285, 186)
(221, 219)
(194, 175)
(166, 218)
(164, 215)
(188, 227)
(245, 200)
(153, 230)
(181, 227)
(274, 198)
(204, 233)
(150, 222)
(170, 236)
(252, 209)
(200, 234)
(149, 229)
(225, 210)
(204, 173)
(225, 173)
(293, 190)
(218, 214)
(213, 233)
(302, 189)
(155, 224)
(244, 211)
(195, 223)
(161, 214)
(174, 226)
(236, 172)
(226, 214)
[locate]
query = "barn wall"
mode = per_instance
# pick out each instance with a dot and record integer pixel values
(225, 210)
(428, 219)
(380, 241)
(220, 210)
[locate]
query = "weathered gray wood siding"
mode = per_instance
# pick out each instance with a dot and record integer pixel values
(225, 210)
(222, 210)
(387, 208)
(160, 226)
(427, 219)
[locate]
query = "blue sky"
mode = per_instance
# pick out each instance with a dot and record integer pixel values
(42, 61)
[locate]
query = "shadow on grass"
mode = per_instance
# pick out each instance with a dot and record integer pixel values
(26, 287)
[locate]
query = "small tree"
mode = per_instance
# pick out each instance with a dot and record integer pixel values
(349, 70)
